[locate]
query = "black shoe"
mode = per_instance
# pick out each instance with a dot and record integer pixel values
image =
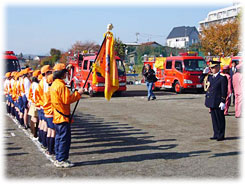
(221, 139)
(149, 99)
(154, 98)
(212, 138)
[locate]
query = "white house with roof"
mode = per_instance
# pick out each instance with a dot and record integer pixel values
(182, 37)
(221, 16)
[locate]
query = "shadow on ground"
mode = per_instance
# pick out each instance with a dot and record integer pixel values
(94, 136)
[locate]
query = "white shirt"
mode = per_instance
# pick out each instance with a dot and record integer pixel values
(215, 75)
(27, 84)
(45, 86)
(34, 87)
(12, 83)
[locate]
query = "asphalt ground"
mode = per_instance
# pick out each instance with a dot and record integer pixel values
(133, 138)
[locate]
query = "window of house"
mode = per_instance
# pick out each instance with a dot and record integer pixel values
(219, 15)
(229, 12)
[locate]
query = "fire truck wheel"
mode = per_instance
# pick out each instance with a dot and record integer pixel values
(177, 87)
(156, 88)
(90, 91)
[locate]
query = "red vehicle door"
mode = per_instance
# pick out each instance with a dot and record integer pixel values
(178, 71)
(168, 73)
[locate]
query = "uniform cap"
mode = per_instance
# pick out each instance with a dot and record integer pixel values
(28, 70)
(22, 72)
(46, 68)
(59, 66)
(17, 75)
(50, 79)
(8, 74)
(36, 73)
(13, 74)
(214, 63)
(40, 76)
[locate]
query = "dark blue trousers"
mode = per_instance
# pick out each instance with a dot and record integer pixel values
(218, 121)
(62, 141)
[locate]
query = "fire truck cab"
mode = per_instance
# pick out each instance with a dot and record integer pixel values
(181, 72)
(11, 62)
(81, 64)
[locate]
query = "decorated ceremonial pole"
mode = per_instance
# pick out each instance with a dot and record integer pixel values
(109, 28)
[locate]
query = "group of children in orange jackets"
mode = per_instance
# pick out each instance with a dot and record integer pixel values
(43, 95)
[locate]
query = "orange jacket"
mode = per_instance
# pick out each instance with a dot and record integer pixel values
(6, 87)
(22, 88)
(11, 85)
(61, 100)
(14, 91)
(30, 96)
(39, 94)
(47, 106)
(32, 91)
(19, 88)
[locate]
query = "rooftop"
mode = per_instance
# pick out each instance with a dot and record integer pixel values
(182, 31)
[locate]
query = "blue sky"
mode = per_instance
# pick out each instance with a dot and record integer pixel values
(36, 29)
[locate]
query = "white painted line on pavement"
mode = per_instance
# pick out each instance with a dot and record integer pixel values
(36, 142)
(13, 134)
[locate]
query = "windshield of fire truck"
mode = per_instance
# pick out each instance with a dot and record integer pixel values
(120, 67)
(194, 64)
(12, 65)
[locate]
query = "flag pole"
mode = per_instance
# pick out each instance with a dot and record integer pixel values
(90, 71)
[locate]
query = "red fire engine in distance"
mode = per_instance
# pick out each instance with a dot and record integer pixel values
(11, 62)
(81, 64)
(181, 72)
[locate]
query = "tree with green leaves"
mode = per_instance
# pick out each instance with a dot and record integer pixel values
(119, 48)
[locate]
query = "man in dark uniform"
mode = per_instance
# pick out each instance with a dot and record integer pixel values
(216, 86)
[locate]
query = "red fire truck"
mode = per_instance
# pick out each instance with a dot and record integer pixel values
(81, 64)
(11, 62)
(181, 72)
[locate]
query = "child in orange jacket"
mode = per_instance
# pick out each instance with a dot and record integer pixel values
(61, 98)
(48, 113)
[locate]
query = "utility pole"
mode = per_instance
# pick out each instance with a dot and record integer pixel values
(137, 38)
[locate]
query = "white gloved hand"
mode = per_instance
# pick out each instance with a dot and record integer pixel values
(222, 106)
(81, 91)
(206, 70)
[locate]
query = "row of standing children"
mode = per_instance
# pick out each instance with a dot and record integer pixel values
(43, 95)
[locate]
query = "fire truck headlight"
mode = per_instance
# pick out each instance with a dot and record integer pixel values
(122, 84)
(100, 84)
(186, 81)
